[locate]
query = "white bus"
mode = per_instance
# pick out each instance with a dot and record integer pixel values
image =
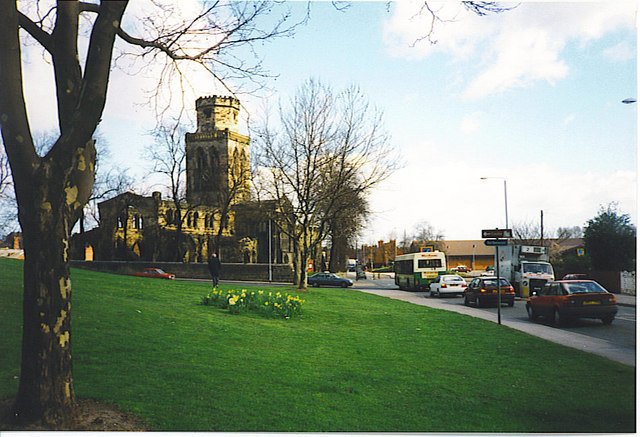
(415, 271)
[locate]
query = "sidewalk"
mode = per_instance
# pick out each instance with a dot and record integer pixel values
(626, 300)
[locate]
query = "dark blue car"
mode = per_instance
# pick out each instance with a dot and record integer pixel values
(328, 279)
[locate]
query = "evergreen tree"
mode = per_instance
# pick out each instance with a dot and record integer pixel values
(610, 240)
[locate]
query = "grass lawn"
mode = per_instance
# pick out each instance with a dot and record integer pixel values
(351, 362)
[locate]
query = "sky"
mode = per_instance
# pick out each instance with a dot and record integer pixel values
(531, 96)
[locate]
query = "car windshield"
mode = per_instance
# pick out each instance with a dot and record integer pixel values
(536, 268)
(492, 283)
(157, 271)
(583, 287)
(452, 278)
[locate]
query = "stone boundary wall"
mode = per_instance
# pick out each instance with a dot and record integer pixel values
(230, 272)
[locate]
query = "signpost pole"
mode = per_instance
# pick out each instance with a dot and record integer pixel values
(498, 237)
(498, 282)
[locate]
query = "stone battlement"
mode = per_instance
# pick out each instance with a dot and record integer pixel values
(217, 101)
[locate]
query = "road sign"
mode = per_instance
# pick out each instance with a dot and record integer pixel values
(497, 233)
(495, 242)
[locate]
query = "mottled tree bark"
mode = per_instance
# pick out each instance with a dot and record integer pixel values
(51, 192)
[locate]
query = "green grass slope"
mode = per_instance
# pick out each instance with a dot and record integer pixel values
(351, 362)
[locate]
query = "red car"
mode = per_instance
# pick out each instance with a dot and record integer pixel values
(564, 300)
(155, 273)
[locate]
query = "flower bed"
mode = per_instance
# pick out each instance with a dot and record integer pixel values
(267, 303)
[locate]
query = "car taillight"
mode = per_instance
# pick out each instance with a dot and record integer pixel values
(443, 286)
(612, 299)
(482, 290)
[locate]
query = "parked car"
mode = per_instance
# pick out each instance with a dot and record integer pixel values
(575, 276)
(447, 284)
(155, 273)
(461, 269)
(328, 279)
(483, 291)
(489, 271)
(560, 301)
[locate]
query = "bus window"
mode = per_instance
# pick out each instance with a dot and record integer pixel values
(429, 263)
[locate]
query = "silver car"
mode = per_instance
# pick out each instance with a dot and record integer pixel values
(447, 284)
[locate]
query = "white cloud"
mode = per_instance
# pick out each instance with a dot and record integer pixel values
(620, 52)
(510, 50)
(568, 119)
(450, 196)
(471, 123)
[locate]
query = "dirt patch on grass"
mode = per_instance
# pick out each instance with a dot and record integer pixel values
(93, 416)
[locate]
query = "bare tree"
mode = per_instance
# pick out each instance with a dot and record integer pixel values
(347, 219)
(527, 233)
(324, 137)
(427, 9)
(167, 157)
(52, 189)
(563, 233)
(425, 234)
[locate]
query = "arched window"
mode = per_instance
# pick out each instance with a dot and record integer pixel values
(195, 219)
(201, 159)
(169, 216)
(213, 160)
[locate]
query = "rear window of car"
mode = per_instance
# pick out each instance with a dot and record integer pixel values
(583, 287)
(492, 283)
(452, 278)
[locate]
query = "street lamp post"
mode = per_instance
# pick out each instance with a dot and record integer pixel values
(506, 213)
(506, 226)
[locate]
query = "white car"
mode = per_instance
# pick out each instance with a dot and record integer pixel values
(447, 284)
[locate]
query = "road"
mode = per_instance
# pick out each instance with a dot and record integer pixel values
(616, 341)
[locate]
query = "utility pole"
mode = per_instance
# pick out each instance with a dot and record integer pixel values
(541, 228)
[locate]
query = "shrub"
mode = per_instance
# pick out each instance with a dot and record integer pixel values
(269, 304)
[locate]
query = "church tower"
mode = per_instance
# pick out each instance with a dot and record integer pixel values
(217, 155)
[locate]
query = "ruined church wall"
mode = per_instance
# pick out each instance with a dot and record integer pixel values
(230, 271)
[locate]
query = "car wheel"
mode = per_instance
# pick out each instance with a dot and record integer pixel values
(466, 300)
(478, 302)
(344, 285)
(437, 293)
(531, 313)
(511, 303)
(607, 320)
(557, 319)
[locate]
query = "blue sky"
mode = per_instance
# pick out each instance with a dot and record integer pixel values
(532, 95)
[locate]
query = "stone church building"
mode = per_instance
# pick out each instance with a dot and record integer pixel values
(218, 210)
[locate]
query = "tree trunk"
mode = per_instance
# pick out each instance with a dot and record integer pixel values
(47, 214)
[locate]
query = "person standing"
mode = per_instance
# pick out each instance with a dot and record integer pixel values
(214, 268)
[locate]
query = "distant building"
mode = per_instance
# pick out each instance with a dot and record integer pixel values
(136, 227)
